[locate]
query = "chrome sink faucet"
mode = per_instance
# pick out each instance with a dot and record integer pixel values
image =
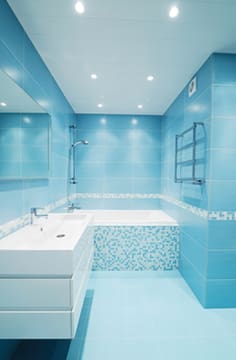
(37, 213)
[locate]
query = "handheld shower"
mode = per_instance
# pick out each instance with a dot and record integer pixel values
(73, 146)
(83, 142)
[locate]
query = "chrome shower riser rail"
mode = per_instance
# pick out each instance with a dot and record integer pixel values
(73, 179)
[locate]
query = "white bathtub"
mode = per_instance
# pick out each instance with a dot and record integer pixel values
(136, 240)
(130, 217)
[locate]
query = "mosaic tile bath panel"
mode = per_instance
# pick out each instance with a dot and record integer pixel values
(137, 248)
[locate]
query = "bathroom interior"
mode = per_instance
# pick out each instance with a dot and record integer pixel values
(117, 180)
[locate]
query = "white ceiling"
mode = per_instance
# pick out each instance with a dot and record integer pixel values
(123, 41)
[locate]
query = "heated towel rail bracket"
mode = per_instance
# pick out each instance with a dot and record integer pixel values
(192, 160)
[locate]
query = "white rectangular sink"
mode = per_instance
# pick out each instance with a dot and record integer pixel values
(43, 277)
(48, 250)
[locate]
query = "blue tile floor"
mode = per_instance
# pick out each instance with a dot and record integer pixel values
(142, 316)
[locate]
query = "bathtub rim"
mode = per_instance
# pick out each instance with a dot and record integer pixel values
(156, 217)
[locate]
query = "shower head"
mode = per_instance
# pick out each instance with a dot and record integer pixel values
(83, 142)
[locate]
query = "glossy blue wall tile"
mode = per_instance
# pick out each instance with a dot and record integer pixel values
(223, 164)
(222, 195)
(221, 241)
(11, 195)
(194, 252)
(221, 264)
(194, 279)
(223, 102)
(123, 156)
(11, 33)
(180, 116)
(223, 144)
(199, 109)
(21, 61)
(224, 69)
(213, 104)
(194, 226)
(37, 190)
(223, 132)
(24, 145)
(222, 235)
(221, 293)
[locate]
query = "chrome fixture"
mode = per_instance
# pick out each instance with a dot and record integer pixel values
(37, 213)
(75, 143)
(84, 142)
(72, 207)
(186, 154)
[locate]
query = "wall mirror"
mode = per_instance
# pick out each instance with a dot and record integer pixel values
(24, 134)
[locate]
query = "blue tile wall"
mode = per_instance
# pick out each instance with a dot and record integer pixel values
(123, 156)
(224, 97)
(221, 286)
(224, 69)
(194, 252)
(207, 246)
(24, 147)
(221, 264)
(194, 236)
(221, 293)
(222, 195)
(21, 61)
(222, 235)
(195, 280)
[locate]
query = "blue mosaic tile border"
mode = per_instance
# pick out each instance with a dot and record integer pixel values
(136, 248)
(116, 196)
(222, 215)
(16, 224)
(193, 209)
(210, 215)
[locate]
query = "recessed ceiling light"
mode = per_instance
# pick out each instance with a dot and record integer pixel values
(79, 7)
(140, 106)
(3, 104)
(174, 12)
(150, 77)
(100, 105)
(94, 76)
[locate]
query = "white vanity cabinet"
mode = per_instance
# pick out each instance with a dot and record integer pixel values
(43, 278)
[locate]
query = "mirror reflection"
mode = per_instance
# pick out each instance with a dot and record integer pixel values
(24, 134)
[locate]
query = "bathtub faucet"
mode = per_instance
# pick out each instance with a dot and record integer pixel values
(37, 213)
(72, 207)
